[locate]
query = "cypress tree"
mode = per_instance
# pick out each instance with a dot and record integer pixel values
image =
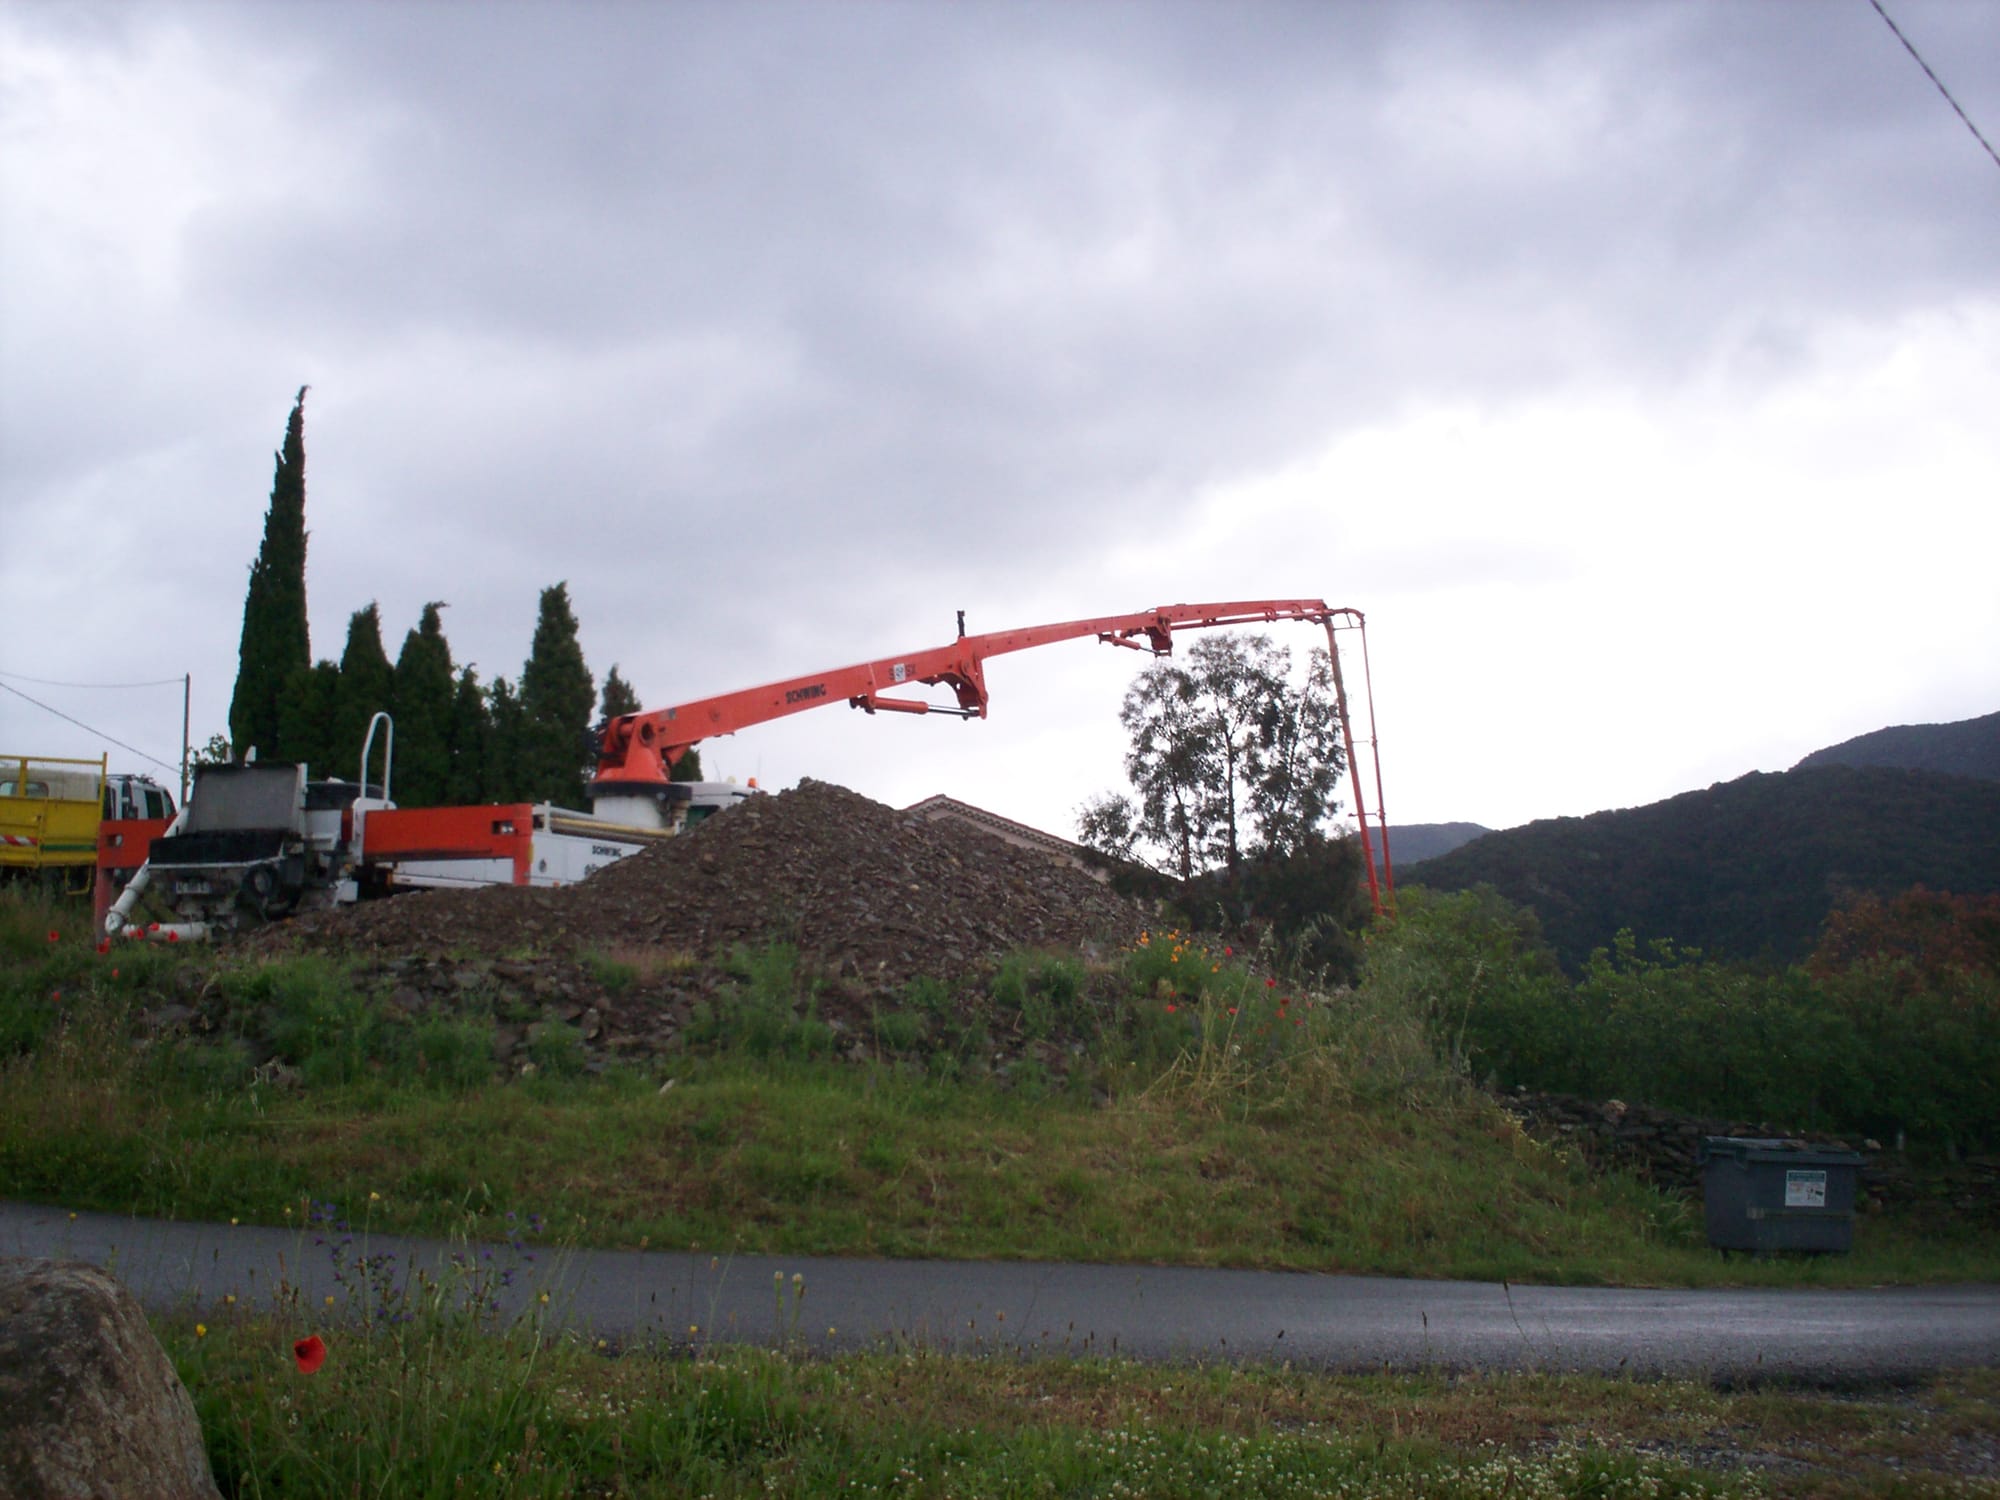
(556, 698)
(274, 643)
(469, 739)
(506, 780)
(619, 696)
(421, 699)
(305, 719)
(366, 681)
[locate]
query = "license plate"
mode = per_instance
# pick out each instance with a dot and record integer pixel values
(193, 888)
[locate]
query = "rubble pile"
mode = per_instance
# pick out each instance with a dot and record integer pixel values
(865, 893)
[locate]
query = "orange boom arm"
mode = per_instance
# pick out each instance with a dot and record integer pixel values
(643, 747)
(637, 752)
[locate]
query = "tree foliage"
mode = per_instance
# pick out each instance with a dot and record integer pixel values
(556, 699)
(275, 645)
(366, 683)
(1874, 1045)
(1746, 869)
(619, 697)
(422, 695)
(469, 742)
(1229, 759)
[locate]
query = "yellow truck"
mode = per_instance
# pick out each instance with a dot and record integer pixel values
(49, 811)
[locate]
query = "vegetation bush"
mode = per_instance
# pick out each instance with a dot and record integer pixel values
(1872, 1038)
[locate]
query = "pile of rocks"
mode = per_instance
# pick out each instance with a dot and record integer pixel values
(863, 891)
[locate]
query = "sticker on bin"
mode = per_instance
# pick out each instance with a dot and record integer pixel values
(1804, 1189)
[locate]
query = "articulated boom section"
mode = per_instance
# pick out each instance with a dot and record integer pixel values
(643, 747)
(637, 752)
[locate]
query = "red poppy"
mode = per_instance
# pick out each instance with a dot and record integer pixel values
(1228, 952)
(1270, 984)
(54, 936)
(1172, 1008)
(104, 946)
(310, 1353)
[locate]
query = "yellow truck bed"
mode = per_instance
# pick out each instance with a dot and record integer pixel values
(49, 812)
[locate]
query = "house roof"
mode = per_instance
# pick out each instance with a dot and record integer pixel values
(941, 806)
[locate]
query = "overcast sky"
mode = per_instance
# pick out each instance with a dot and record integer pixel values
(1634, 368)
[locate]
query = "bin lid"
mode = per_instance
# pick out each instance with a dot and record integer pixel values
(1747, 1148)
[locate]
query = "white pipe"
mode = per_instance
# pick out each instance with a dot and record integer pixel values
(114, 920)
(169, 932)
(361, 802)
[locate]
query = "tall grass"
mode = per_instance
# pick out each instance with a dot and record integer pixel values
(437, 1399)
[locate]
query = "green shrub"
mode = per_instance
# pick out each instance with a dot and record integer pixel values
(615, 975)
(898, 1030)
(556, 1049)
(454, 1053)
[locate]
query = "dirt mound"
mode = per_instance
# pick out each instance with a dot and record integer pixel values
(862, 890)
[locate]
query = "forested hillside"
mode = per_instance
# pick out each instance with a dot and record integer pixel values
(1746, 869)
(1410, 842)
(1970, 747)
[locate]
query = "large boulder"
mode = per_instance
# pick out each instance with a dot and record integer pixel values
(90, 1406)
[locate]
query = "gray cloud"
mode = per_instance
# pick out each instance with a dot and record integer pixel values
(705, 306)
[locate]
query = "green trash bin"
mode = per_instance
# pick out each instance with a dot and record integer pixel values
(1765, 1195)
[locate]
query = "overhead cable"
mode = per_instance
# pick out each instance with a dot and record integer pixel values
(165, 765)
(1910, 48)
(49, 682)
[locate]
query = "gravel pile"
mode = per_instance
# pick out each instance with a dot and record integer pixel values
(864, 892)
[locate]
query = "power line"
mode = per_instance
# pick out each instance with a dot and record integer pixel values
(1911, 49)
(83, 726)
(47, 682)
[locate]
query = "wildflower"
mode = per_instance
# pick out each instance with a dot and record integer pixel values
(1171, 1007)
(104, 946)
(1270, 984)
(201, 1330)
(229, 1299)
(1227, 951)
(232, 1223)
(310, 1352)
(1232, 1010)
(374, 1197)
(543, 1299)
(329, 1299)
(114, 973)
(54, 936)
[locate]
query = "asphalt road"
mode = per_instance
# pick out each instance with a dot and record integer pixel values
(1141, 1312)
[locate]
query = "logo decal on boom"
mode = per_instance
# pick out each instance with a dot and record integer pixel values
(805, 694)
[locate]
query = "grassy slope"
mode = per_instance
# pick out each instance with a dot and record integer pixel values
(1353, 1151)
